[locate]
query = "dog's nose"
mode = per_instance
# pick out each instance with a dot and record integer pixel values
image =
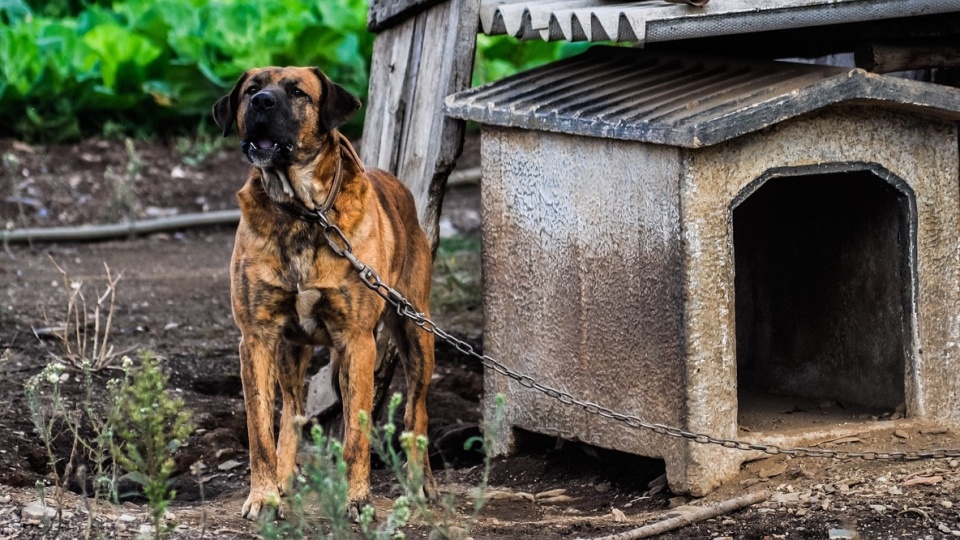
(262, 101)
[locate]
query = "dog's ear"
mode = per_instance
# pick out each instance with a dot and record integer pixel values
(338, 104)
(225, 109)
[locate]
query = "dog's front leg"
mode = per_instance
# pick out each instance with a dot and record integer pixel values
(258, 374)
(293, 363)
(358, 356)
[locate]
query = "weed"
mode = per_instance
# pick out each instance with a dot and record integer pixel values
(457, 281)
(53, 417)
(322, 487)
(196, 148)
(123, 201)
(84, 336)
(150, 425)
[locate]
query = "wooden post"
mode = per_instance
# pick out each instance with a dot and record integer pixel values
(416, 64)
(423, 52)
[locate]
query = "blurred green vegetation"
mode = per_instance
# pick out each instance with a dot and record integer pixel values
(71, 68)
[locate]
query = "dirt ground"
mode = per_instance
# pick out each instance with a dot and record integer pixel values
(173, 299)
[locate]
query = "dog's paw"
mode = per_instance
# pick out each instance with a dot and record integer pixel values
(259, 503)
(429, 492)
(355, 508)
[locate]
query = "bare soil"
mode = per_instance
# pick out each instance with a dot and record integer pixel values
(173, 299)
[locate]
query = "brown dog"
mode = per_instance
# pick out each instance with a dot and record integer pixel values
(290, 291)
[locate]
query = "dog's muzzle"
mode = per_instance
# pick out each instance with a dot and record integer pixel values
(265, 143)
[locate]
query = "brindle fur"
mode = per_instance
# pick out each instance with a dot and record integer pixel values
(290, 292)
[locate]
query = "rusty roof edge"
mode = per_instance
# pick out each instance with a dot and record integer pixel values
(639, 22)
(852, 86)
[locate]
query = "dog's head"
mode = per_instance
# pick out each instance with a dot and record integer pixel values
(282, 114)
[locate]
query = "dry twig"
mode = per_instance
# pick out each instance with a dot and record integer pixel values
(696, 516)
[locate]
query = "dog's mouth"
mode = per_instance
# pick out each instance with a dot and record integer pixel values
(266, 152)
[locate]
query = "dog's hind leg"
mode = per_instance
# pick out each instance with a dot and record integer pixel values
(416, 352)
(292, 365)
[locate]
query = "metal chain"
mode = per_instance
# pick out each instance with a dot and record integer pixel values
(340, 245)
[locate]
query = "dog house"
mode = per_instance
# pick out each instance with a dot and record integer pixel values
(755, 250)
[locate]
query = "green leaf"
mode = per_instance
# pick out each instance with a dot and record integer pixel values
(137, 477)
(125, 57)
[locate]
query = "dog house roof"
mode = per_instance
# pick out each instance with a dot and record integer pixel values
(656, 20)
(682, 100)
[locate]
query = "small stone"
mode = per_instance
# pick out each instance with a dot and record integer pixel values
(946, 504)
(943, 528)
(773, 470)
(618, 516)
(36, 512)
(878, 508)
(902, 434)
(786, 498)
(674, 502)
(727, 522)
(169, 516)
(126, 518)
(801, 512)
(171, 326)
(602, 487)
(229, 465)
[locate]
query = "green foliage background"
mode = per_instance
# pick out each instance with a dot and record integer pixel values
(69, 68)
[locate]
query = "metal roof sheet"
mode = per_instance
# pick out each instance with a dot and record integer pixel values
(681, 100)
(657, 20)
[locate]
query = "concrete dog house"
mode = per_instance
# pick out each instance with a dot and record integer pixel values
(711, 243)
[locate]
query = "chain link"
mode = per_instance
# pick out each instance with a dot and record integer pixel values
(340, 245)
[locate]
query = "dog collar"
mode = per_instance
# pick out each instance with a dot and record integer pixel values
(319, 215)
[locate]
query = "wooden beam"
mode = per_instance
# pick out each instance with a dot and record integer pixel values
(890, 57)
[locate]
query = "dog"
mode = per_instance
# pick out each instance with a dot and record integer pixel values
(291, 292)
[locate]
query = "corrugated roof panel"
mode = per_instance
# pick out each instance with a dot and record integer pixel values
(681, 100)
(657, 20)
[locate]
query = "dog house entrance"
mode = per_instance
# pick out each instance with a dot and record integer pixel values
(824, 298)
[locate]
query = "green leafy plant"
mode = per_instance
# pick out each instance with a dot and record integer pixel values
(150, 425)
(67, 67)
(321, 488)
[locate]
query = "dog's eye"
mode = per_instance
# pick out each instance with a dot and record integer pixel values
(296, 92)
(252, 89)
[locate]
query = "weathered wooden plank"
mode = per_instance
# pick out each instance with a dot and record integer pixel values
(416, 64)
(385, 13)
